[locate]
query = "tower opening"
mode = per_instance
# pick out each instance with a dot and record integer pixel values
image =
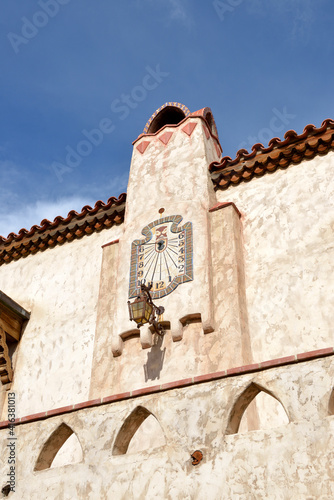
(170, 115)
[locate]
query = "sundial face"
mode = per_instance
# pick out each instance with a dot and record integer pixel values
(164, 258)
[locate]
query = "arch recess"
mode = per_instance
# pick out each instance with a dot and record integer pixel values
(61, 448)
(331, 403)
(274, 413)
(140, 431)
(171, 113)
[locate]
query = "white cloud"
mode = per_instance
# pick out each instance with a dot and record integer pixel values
(177, 11)
(300, 13)
(32, 214)
(114, 187)
(15, 215)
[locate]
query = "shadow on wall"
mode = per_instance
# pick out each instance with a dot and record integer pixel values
(155, 360)
(331, 404)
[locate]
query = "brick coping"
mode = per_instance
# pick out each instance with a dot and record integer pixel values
(264, 365)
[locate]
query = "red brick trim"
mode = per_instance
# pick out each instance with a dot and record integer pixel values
(209, 376)
(243, 369)
(218, 206)
(312, 354)
(117, 397)
(177, 384)
(56, 411)
(278, 362)
(36, 416)
(88, 404)
(110, 243)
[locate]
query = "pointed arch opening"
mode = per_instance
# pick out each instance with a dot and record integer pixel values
(61, 448)
(256, 409)
(140, 431)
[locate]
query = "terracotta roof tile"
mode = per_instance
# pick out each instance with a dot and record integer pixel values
(76, 225)
(279, 154)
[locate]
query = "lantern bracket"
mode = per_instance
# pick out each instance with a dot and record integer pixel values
(146, 299)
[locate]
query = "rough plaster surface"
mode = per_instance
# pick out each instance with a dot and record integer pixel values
(60, 287)
(229, 295)
(292, 461)
(288, 223)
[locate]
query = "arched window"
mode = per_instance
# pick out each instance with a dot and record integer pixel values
(140, 431)
(62, 448)
(255, 409)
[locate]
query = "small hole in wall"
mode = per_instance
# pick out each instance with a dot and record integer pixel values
(5, 490)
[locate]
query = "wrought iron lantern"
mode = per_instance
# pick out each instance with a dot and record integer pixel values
(142, 310)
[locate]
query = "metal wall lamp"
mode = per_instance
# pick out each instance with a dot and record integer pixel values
(142, 310)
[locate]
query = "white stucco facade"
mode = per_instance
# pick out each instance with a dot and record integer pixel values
(229, 379)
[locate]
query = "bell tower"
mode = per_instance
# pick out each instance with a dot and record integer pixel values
(169, 174)
(169, 244)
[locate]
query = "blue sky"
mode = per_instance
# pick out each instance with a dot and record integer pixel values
(263, 66)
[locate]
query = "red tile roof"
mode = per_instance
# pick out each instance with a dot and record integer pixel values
(279, 154)
(75, 225)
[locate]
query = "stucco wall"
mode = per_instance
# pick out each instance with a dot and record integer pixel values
(52, 365)
(173, 176)
(292, 461)
(288, 223)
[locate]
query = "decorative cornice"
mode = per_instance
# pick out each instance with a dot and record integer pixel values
(74, 226)
(203, 114)
(279, 154)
